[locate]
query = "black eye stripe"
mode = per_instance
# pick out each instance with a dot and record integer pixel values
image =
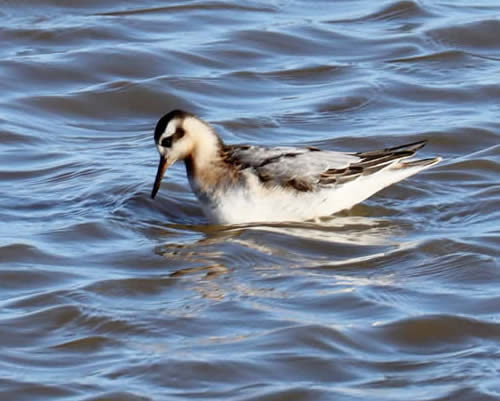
(167, 142)
(179, 133)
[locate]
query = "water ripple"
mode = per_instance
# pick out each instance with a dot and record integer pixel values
(109, 295)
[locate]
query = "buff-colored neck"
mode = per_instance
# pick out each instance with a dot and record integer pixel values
(204, 165)
(206, 144)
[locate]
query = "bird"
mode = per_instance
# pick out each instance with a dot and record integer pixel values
(241, 184)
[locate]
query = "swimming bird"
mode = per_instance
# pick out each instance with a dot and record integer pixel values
(247, 183)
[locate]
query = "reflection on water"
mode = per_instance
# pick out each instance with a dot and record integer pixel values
(107, 295)
(354, 230)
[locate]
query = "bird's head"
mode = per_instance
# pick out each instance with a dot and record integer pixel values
(178, 135)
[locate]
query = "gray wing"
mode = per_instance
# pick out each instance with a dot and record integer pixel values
(309, 169)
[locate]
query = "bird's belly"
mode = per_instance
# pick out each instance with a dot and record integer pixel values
(241, 206)
(244, 205)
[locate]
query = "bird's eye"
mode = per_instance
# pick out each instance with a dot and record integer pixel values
(166, 142)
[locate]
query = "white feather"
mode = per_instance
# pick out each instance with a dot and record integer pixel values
(257, 203)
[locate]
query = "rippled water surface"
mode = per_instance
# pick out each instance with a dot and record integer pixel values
(107, 295)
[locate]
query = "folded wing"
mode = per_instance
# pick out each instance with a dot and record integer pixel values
(310, 169)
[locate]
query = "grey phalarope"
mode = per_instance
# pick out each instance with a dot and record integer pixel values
(244, 183)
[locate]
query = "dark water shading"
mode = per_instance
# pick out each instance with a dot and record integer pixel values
(108, 295)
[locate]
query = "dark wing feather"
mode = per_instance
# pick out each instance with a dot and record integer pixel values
(374, 154)
(309, 169)
(371, 162)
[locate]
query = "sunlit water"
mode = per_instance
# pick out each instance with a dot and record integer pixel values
(107, 295)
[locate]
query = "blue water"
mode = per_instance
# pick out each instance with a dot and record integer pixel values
(108, 295)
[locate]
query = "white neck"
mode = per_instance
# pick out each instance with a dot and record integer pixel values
(206, 142)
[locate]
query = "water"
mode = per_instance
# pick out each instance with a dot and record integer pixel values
(107, 295)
